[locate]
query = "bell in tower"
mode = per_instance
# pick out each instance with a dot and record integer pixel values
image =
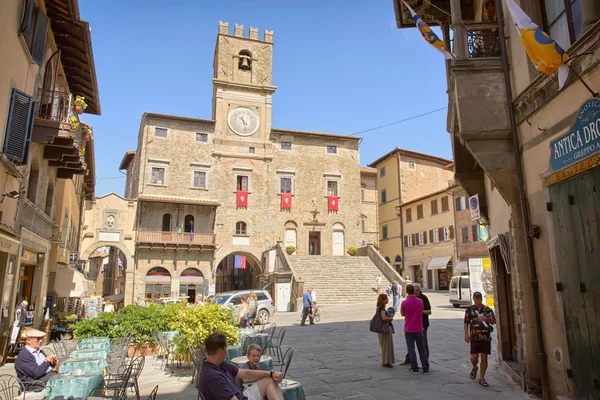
(245, 60)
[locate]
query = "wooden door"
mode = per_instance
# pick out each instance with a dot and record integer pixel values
(576, 218)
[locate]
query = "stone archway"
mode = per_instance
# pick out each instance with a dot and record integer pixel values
(228, 277)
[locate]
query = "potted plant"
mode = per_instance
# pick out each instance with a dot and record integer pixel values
(80, 104)
(74, 123)
(290, 250)
(87, 131)
(352, 251)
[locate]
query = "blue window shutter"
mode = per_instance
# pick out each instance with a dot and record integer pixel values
(27, 16)
(38, 43)
(19, 126)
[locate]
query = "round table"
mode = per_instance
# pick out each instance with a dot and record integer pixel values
(233, 352)
(74, 386)
(261, 339)
(292, 390)
(85, 364)
(77, 354)
(95, 340)
(265, 364)
(94, 346)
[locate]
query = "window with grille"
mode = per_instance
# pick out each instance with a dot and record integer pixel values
(158, 176)
(286, 145)
(332, 188)
(241, 228)
(331, 149)
(285, 185)
(200, 179)
(242, 183)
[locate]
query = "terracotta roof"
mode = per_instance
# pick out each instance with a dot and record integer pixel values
(411, 153)
(179, 118)
(447, 189)
(364, 170)
(310, 133)
(177, 199)
(126, 159)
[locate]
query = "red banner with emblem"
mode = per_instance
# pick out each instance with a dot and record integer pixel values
(241, 199)
(333, 203)
(286, 201)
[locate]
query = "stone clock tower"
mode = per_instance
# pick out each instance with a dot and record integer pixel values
(242, 93)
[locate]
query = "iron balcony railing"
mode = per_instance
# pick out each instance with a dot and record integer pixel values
(185, 238)
(36, 220)
(58, 106)
(482, 40)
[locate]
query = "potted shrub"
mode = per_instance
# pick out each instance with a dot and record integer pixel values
(290, 250)
(74, 123)
(352, 251)
(80, 104)
(87, 131)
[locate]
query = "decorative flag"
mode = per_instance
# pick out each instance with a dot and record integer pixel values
(286, 201)
(191, 231)
(429, 35)
(545, 54)
(240, 262)
(242, 199)
(120, 263)
(333, 203)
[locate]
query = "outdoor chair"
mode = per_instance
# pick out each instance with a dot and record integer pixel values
(198, 357)
(119, 392)
(33, 386)
(275, 346)
(167, 350)
(153, 393)
(70, 345)
(271, 332)
(10, 387)
(287, 360)
(115, 380)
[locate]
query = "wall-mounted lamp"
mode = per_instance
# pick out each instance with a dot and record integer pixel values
(12, 195)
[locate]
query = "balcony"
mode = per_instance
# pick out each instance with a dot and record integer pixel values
(174, 240)
(482, 40)
(56, 125)
(34, 219)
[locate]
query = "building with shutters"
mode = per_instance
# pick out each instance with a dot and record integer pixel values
(471, 236)
(214, 195)
(428, 239)
(404, 175)
(47, 61)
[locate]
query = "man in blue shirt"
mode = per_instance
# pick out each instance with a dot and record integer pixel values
(307, 307)
(32, 364)
(217, 378)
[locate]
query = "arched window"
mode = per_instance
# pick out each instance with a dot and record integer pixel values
(388, 260)
(166, 223)
(398, 260)
(241, 228)
(245, 60)
(189, 223)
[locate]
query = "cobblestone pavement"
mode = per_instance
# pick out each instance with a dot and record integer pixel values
(339, 358)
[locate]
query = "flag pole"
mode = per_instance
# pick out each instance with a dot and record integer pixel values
(584, 83)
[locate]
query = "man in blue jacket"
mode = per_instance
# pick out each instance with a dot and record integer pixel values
(32, 364)
(307, 307)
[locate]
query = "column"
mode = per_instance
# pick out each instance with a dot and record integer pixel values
(460, 35)
(590, 12)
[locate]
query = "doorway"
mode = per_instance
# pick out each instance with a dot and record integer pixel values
(314, 243)
(338, 243)
(25, 284)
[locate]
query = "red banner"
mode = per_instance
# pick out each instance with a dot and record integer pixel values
(241, 199)
(286, 201)
(333, 203)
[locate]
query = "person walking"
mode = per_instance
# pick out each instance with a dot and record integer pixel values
(412, 311)
(253, 300)
(426, 313)
(378, 281)
(386, 341)
(479, 319)
(395, 289)
(307, 307)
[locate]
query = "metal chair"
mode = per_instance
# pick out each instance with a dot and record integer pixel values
(10, 387)
(115, 380)
(275, 346)
(60, 351)
(153, 393)
(119, 392)
(287, 360)
(198, 357)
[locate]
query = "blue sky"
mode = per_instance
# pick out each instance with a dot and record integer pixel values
(340, 67)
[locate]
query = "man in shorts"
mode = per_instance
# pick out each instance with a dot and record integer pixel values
(217, 379)
(479, 319)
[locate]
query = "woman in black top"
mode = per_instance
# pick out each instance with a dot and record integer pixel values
(386, 340)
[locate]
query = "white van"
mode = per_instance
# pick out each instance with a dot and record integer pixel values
(460, 291)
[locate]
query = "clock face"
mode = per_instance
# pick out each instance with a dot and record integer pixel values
(243, 121)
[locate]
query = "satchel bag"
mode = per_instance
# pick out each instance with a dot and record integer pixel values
(378, 325)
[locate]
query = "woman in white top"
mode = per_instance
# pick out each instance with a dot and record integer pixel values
(109, 307)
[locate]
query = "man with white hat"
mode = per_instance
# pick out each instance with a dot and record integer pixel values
(32, 364)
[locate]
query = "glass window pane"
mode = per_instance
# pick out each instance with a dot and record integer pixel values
(553, 9)
(577, 20)
(559, 31)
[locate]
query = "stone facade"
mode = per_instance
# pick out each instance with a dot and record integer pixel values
(369, 199)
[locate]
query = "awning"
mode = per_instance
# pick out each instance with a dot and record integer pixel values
(462, 266)
(69, 282)
(439, 262)
(115, 298)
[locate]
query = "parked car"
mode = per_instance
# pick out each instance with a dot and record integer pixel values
(460, 291)
(266, 306)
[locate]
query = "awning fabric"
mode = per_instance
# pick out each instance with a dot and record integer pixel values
(439, 262)
(69, 282)
(115, 298)
(462, 266)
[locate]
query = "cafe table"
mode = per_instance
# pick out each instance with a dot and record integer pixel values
(88, 354)
(84, 364)
(265, 363)
(292, 390)
(261, 339)
(233, 352)
(94, 346)
(74, 385)
(95, 340)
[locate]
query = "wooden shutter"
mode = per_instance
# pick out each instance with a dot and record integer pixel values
(441, 234)
(451, 229)
(431, 236)
(475, 231)
(19, 127)
(405, 241)
(445, 204)
(425, 237)
(38, 41)
(420, 211)
(408, 215)
(415, 238)
(434, 207)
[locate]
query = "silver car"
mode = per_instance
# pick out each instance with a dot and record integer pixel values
(266, 306)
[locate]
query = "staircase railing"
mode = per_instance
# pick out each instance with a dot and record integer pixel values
(295, 283)
(386, 269)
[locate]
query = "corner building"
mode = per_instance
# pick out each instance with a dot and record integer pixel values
(211, 190)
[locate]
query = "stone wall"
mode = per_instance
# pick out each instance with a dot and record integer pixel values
(369, 198)
(427, 177)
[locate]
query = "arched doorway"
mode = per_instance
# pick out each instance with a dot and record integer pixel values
(188, 225)
(191, 284)
(166, 223)
(338, 239)
(237, 271)
(158, 283)
(291, 234)
(398, 263)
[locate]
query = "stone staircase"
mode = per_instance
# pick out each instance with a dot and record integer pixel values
(338, 279)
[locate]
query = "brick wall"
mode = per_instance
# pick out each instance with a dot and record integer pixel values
(473, 248)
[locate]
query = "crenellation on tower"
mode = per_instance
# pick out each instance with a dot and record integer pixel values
(254, 33)
(268, 36)
(224, 27)
(239, 30)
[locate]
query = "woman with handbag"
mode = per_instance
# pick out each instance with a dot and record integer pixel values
(382, 324)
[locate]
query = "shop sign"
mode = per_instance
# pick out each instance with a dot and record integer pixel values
(581, 141)
(575, 169)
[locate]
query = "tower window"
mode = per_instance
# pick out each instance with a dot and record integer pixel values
(245, 60)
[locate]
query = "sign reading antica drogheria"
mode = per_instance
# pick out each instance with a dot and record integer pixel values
(581, 141)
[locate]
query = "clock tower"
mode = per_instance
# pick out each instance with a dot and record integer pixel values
(242, 93)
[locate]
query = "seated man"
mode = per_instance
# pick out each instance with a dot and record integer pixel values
(32, 364)
(217, 378)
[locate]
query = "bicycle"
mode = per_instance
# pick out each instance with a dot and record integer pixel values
(316, 312)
